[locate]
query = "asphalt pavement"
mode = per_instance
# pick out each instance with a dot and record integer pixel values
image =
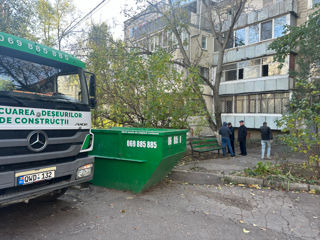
(170, 210)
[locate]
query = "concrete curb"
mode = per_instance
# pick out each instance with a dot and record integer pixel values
(214, 178)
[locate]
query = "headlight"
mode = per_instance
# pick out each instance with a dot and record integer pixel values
(84, 171)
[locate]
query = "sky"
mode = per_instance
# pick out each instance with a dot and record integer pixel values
(111, 11)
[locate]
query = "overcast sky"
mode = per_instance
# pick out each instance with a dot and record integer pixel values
(110, 12)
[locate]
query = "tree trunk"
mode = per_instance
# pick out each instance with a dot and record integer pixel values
(216, 97)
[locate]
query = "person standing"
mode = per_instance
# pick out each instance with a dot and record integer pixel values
(242, 138)
(231, 138)
(225, 133)
(266, 139)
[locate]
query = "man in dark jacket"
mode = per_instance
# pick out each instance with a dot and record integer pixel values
(242, 138)
(225, 138)
(231, 138)
(266, 138)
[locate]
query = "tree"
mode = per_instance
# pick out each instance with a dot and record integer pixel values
(302, 122)
(138, 90)
(45, 15)
(220, 18)
(17, 17)
(55, 20)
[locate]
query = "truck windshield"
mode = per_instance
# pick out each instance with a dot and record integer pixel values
(19, 76)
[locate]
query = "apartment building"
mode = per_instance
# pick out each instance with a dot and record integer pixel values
(253, 88)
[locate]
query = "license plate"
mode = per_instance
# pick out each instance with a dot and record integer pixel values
(35, 176)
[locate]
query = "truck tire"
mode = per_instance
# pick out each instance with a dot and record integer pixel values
(52, 196)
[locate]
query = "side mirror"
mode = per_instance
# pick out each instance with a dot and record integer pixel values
(92, 91)
(92, 86)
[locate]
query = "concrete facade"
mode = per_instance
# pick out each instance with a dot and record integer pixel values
(253, 88)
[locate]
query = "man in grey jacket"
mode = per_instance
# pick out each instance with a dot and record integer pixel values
(225, 138)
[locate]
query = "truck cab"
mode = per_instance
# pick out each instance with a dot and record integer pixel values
(45, 120)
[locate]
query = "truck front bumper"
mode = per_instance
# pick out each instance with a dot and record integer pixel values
(65, 176)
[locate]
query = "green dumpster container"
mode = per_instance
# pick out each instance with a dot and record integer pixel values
(135, 158)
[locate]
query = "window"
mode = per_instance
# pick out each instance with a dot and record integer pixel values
(255, 68)
(265, 70)
(40, 82)
(69, 85)
(267, 103)
(273, 28)
(273, 67)
(266, 30)
(279, 26)
(185, 39)
(240, 37)
(204, 42)
(253, 100)
(241, 104)
(257, 103)
(231, 75)
(253, 34)
(164, 39)
(204, 72)
(251, 68)
(227, 104)
(240, 73)
(130, 32)
(230, 72)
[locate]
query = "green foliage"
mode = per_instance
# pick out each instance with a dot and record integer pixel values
(45, 21)
(139, 90)
(54, 19)
(6, 85)
(263, 169)
(17, 17)
(302, 122)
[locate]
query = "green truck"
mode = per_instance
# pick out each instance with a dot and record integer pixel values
(45, 120)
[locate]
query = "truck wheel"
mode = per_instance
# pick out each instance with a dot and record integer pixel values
(52, 196)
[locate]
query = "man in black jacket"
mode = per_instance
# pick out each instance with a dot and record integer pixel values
(266, 138)
(242, 138)
(231, 137)
(225, 138)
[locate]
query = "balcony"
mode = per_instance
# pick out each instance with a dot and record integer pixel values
(262, 84)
